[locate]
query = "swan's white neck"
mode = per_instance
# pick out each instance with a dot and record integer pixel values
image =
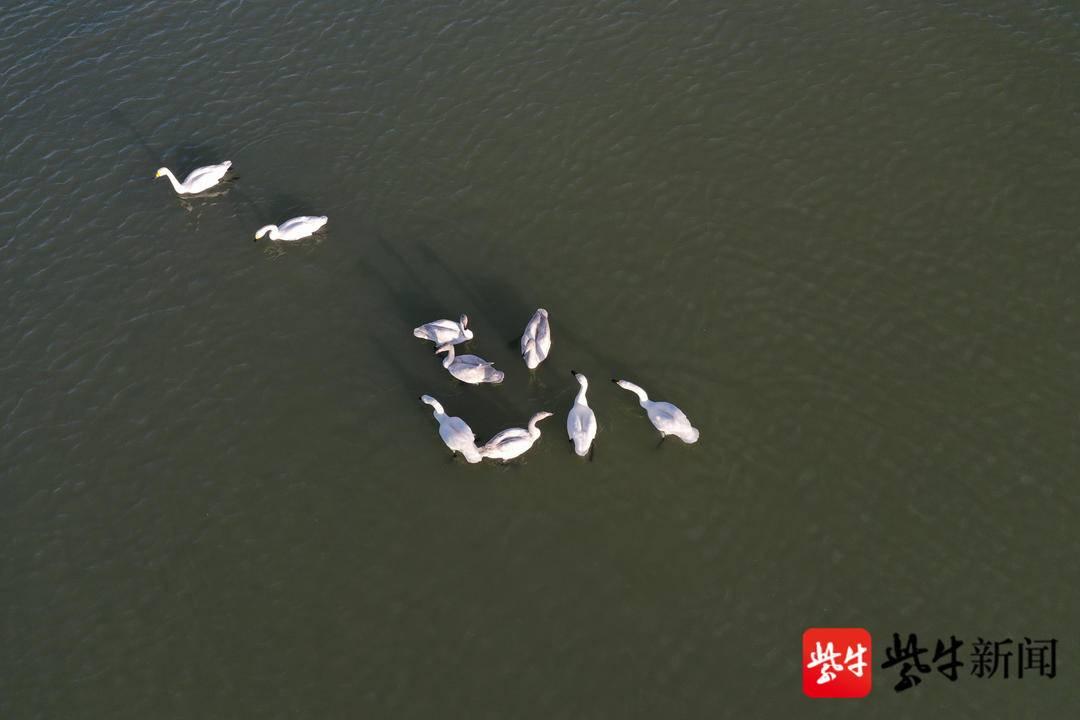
(580, 399)
(172, 178)
(636, 389)
(436, 407)
(534, 432)
(449, 359)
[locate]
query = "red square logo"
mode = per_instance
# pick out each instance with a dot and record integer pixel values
(836, 663)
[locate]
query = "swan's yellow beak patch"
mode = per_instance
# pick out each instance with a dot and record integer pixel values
(157, 174)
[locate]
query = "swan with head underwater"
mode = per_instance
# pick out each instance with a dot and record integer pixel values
(296, 228)
(664, 416)
(536, 340)
(470, 369)
(442, 332)
(198, 180)
(511, 443)
(581, 422)
(455, 432)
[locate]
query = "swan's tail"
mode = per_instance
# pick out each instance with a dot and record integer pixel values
(689, 436)
(581, 446)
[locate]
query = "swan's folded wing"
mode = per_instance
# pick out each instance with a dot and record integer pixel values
(474, 361)
(543, 334)
(532, 325)
(505, 435)
(669, 418)
(208, 173)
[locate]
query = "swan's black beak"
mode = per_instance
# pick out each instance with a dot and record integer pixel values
(574, 373)
(614, 381)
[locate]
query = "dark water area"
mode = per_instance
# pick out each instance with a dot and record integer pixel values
(842, 237)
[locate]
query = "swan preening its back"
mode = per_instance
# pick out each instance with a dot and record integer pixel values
(454, 431)
(297, 228)
(581, 422)
(511, 443)
(198, 179)
(536, 340)
(442, 332)
(667, 418)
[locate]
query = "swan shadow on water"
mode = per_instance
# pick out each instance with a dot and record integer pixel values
(417, 295)
(410, 299)
(153, 155)
(185, 158)
(281, 207)
(414, 297)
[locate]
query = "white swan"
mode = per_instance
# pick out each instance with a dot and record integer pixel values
(441, 332)
(511, 443)
(667, 418)
(581, 422)
(297, 228)
(536, 340)
(454, 431)
(469, 368)
(198, 179)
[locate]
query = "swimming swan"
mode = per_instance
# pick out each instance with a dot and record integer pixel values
(297, 228)
(470, 368)
(536, 340)
(667, 418)
(511, 443)
(441, 332)
(198, 179)
(454, 431)
(581, 422)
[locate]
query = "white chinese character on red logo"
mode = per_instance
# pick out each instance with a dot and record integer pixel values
(827, 660)
(856, 667)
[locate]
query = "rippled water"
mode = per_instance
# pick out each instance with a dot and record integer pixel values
(842, 237)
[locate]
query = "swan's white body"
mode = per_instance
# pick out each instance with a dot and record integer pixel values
(442, 332)
(667, 418)
(536, 340)
(511, 443)
(470, 368)
(198, 179)
(581, 422)
(297, 228)
(454, 431)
